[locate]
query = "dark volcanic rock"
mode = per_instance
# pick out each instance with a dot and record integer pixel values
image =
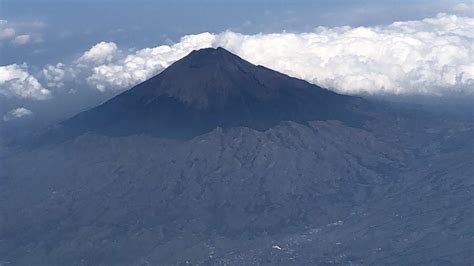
(206, 89)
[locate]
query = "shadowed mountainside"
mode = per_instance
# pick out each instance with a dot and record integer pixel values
(216, 161)
(204, 90)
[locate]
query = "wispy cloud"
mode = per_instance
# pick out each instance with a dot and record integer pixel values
(21, 33)
(22, 39)
(16, 113)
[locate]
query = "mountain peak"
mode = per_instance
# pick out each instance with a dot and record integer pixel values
(209, 57)
(207, 78)
(206, 89)
(211, 51)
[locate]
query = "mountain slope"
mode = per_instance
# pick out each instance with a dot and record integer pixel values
(218, 161)
(210, 88)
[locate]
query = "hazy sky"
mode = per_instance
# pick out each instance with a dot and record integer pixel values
(59, 57)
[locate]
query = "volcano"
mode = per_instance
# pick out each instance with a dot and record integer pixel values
(212, 88)
(216, 161)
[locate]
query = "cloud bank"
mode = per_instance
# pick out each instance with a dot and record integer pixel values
(430, 56)
(433, 56)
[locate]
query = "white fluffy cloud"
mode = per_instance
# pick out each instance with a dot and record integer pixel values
(145, 63)
(15, 81)
(17, 113)
(54, 75)
(429, 56)
(100, 53)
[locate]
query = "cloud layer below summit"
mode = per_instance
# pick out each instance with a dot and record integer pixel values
(433, 56)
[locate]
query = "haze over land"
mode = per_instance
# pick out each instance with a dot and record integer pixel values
(233, 162)
(346, 145)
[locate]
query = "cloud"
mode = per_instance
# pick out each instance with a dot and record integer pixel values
(61, 76)
(21, 32)
(145, 63)
(17, 113)
(54, 75)
(6, 33)
(433, 56)
(429, 56)
(15, 81)
(22, 39)
(463, 8)
(58, 75)
(100, 53)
